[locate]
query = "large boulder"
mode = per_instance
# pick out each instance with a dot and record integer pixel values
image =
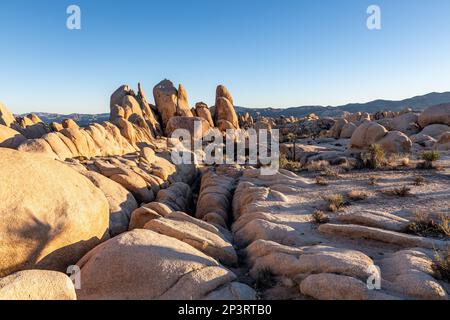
(224, 108)
(405, 123)
(166, 99)
(118, 96)
(10, 138)
(210, 243)
(148, 112)
(434, 130)
(50, 214)
(225, 112)
(196, 126)
(367, 134)
(121, 202)
(395, 142)
(144, 265)
(435, 114)
(222, 91)
(130, 103)
(444, 142)
(348, 130)
(202, 111)
(335, 131)
(6, 117)
(183, 109)
(37, 285)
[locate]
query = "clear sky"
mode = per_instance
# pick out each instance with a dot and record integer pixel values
(276, 53)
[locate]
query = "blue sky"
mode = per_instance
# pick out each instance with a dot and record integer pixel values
(277, 53)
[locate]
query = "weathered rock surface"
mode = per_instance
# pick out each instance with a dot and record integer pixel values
(202, 111)
(37, 285)
(166, 99)
(202, 239)
(400, 239)
(434, 115)
(6, 117)
(367, 134)
(51, 215)
(145, 265)
(10, 138)
(121, 202)
(395, 142)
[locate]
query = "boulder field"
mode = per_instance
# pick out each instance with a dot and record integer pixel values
(106, 205)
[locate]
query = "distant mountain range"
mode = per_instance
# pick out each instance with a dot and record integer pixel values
(81, 119)
(416, 103)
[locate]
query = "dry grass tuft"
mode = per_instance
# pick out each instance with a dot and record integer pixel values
(398, 192)
(319, 165)
(287, 164)
(335, 202)
(424, 225)
(331, 172)
(357, 195)
(321, 181)
(320, 217)
(419, 181)
(374, 158)
(441, 265)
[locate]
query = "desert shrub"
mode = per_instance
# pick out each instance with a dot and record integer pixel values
(335, 202)
(287, 164)
(320, 217)
(428, 158)
(426, 226)
(357, 195)
(398, 192)
(318, 165)
(265, 279)
(431, 156)
(374, 158)
(441, 265)
(321, 181)
(332, 172)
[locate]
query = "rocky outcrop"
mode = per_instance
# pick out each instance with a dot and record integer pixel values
(10, 138)
(395, 142)
(172, 269)
(6, 117)
(439, 114)
(444, 142)
(202, 111)
(405, 123)
(214, 202)
(367, 134)
(50, 214)
(37, 285)
(121, 202)
(224, 108)
(183, 109)
(196, 126)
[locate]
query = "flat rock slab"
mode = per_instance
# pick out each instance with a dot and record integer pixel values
(375, 219)
(191, 233)
(392, 237)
